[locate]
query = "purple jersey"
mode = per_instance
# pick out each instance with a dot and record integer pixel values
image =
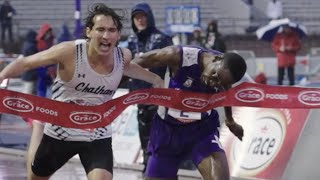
(186, 78)
(176, 135)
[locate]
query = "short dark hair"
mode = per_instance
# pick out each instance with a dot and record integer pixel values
(236, 65)
(101, 8)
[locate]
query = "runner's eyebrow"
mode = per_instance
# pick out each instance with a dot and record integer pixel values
(218, 58)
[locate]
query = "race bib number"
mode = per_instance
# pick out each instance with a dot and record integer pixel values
(178, 114)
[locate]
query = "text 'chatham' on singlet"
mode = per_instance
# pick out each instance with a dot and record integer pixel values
(86, 88)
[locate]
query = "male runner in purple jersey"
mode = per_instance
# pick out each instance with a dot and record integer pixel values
(177, 135)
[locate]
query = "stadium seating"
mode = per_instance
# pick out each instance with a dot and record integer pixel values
(32, 13)
(306, 12)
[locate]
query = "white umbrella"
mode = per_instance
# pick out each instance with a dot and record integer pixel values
(268, 31)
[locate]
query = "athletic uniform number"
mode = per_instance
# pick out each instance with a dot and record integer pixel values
(178, 114)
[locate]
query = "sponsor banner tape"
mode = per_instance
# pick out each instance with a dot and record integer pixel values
(76, 116)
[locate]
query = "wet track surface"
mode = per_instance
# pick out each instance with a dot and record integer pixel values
(13, 168)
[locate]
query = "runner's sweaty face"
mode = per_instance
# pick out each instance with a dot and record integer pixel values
(104, 34)
(215, 75)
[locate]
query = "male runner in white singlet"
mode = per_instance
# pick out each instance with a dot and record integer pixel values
(89, 72)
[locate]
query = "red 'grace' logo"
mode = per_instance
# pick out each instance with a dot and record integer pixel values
(311, 98)
(17, 104)
(135, 97)
(83, 118)
(195, 103)
(250, 95)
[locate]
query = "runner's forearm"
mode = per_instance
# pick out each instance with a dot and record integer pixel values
(12, 70)
(228, 113)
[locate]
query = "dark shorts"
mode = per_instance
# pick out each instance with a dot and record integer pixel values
(52, 154)
(172, 144)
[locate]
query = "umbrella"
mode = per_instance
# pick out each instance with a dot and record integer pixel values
(268, 31)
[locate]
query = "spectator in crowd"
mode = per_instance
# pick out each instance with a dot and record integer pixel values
(64, 34)
(250, 4)
(274, 9)
(213, 39)
(45, 40)
(29, 47)
(104, 66)
(6, 14)
(146, 37)
(178, 135)
(286, 45)
(256, 17)
(196, 38)
(45, 37)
